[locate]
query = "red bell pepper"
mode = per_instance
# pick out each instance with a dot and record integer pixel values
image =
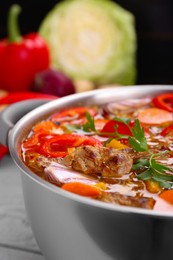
(21, 57)
(57, 146)
(14, 97)
(3, 150)
(167, 131)
(122, 128)
(164, 101)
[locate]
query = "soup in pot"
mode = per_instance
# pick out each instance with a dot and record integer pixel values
(119, 153)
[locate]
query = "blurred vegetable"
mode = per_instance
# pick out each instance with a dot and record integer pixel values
(92, 40)
(83, 85)
(21, 57)
(53, 82)
(3, 93)
(3, 151)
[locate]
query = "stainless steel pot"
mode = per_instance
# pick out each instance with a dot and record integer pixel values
(70, 227)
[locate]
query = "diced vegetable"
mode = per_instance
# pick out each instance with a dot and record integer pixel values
(167, 195)
(93, 40)
(152, 186)
(116, 144)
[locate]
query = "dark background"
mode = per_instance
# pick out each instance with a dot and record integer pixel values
(154, 26)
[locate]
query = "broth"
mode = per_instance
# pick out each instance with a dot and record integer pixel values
(119, 153)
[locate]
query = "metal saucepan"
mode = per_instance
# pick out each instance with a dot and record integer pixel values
(70, 227)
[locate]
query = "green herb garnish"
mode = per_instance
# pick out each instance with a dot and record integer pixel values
(89, 125)
(125, 121)
(154, 171)
(141, 163)
(138, 140)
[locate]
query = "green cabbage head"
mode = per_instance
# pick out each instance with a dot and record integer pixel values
(92, 40)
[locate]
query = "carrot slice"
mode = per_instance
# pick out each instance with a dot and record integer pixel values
(155, 116)
(82, 189)
(167, 195)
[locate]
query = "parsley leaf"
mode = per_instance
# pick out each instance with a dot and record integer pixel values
(145, 175)
(154, 171)
(138, 140)
(89, 125)
(141, 163)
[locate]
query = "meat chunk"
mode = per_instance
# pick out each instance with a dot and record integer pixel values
(59, 174)
(126, 200)
(46, 161)
(103, 161)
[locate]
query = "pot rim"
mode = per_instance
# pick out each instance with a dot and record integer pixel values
(98, 94)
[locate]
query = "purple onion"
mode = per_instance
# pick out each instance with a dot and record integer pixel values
(53, 82)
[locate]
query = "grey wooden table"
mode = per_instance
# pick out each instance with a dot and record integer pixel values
(16, 238)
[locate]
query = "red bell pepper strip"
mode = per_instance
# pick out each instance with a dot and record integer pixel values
(167, 131)
(164, 101)
(36, 140)
(21, 57)
(58, 146)
(122, 128)
(3, 151)
(14, 97)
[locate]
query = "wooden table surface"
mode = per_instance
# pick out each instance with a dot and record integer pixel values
(16, 238)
